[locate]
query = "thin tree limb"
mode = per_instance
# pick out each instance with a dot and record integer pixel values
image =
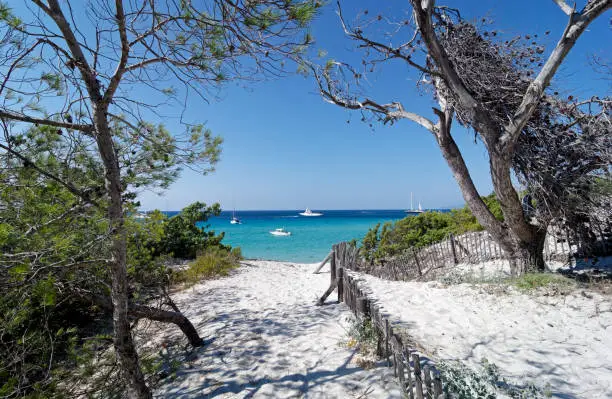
(48, 122)
(576, 26)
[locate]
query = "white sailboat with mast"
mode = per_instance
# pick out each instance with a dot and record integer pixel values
(413, 211)
(235, 219)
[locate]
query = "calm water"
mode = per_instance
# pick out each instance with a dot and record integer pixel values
(311, 237)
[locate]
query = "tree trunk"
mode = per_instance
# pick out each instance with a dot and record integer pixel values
(500, 165)
(528, 256)
(122, 340)
(520, 240)
(168, 317)
(456, 163)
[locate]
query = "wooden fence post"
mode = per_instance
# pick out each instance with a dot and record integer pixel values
(452, 243)
(427, 380)
(416, 259)
(408, 375)
(437, 386)
(340, 284)
(363, 307)
(418, 380)
(329, 255)
(333, 269)
(387, 351)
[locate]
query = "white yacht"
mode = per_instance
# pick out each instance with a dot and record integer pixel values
(280, 232)
(308, 212)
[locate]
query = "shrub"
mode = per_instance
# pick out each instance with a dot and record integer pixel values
(462, 382)
(213, 262)
(421, 230)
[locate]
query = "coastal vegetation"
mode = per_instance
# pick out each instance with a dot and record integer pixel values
(422, 230)
(498, 86)
(82, 87)
(213, 262)
(55, 313)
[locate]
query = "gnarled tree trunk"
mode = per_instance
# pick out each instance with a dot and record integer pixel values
(521, 241)
(528, 256)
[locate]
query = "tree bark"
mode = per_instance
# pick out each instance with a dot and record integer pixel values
(500, 165)
(520, 240)
(123, 342)
(528, 256)
(165, 316)
(457, 165)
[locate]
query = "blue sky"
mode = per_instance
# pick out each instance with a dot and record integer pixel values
(285, 148)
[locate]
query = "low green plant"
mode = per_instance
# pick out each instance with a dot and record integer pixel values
(363, 335)
(532, 281)
(213, 262)
(462, 382)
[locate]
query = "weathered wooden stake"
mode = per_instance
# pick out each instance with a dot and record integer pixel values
(408, 375)
(329, 255)
(437, 386)
(399, 361)
(416, 259)
(418, 380)
(452, 244)
(363, 306)
(340, 284)
(333, 269)
(427, 380)
(387, 351)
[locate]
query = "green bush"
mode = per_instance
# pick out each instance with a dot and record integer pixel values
(213, 262)
(421, 230)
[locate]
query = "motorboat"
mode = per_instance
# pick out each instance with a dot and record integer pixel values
(413, 211)
(308, 212)
(280, 232)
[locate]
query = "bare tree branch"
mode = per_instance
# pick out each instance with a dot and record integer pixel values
(576, 25)
(565, 7)
(48, 122)
(125, 52)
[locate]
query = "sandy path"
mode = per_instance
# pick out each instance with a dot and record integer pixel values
(270, 341)
(565, 341)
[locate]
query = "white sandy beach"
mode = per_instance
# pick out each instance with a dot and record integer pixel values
(270, 340)
(562, 340)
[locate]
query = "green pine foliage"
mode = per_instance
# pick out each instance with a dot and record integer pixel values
(54, 251)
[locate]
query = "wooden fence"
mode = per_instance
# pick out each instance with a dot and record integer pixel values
(418, 377)
(476, 247)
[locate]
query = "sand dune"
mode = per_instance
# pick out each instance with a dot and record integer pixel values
(562, 340)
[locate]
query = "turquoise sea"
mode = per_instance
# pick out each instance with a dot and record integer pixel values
(311, 237)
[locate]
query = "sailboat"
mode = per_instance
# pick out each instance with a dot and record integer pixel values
(235, 219)
(413, 211)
